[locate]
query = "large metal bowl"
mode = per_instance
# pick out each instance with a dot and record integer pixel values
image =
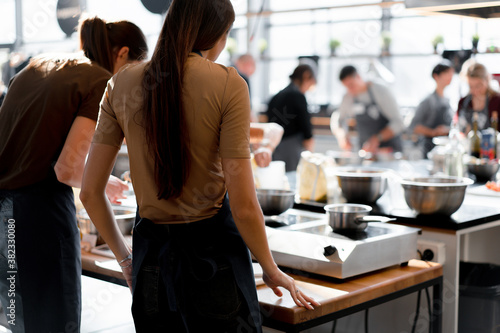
(362, 184)
(275, 202)
(125, 217)
(435, 195)
(483, 171)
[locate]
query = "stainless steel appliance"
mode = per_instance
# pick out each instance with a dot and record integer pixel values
(311, 246)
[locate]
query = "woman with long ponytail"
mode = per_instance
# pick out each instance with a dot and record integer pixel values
(46, 123)
(187, 122)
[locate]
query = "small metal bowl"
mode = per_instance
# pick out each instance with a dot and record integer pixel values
(435, 195)
(483, 171)
(125, 217)
(362, 184)
(275, 202)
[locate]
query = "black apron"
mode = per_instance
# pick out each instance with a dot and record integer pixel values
(187, 243)
(289, 151)
(371, 121)
(47, 254)
(466, 114)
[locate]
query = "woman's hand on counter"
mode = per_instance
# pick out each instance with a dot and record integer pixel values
(280, 279)
(115, 188)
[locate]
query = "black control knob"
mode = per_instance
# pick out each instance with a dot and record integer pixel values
(329, 250)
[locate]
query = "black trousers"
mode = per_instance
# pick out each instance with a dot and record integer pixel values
(40, 264)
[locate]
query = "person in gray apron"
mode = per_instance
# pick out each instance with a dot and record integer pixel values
(288, 109)
(378, 121)
(371, 122)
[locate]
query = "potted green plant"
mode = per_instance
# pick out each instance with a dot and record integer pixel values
(436, 41)
(386, 42)
(263, 45)
(334, 44)
(475, 42)
(231, 46)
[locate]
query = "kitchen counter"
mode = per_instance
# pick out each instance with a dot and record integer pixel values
(470, 234)
(476, 209)
(337, 298)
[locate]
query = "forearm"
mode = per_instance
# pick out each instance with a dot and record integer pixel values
(101, 214)
(246, 210)
(423, 130)
(71, 176)
(385, 134)
(253, 232)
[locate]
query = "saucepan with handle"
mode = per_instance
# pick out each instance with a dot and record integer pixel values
(351, 216)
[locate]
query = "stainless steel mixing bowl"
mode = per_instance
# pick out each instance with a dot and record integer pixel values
(362, 184)
(483, 171)
(435, 195)
(125, 217)
(275, 202)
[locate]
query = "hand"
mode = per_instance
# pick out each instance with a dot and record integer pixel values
(263, 157)
(127, 274)
(280, 279)
(441, 130)
(345, 144)
(371, 145)
(115, 188)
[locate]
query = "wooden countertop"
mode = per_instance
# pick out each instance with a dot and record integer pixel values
(334, 295)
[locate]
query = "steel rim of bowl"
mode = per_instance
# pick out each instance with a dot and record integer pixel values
(275, 192)
(464, 181)
(360, 172)
(362, 208)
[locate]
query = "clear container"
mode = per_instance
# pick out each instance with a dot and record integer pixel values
(454, 154)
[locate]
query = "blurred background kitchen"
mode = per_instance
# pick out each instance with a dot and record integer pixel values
(396, 44)
(387, 41)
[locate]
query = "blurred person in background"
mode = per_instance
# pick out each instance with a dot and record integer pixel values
(245, 65)
(434, 114)
(482, 99)
(46, 123)
(188, 142)
(378, 121)
(289, 109)
(3, 92)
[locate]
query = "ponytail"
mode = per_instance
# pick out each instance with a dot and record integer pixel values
(100, 40)
(95, 42)
(190, 25)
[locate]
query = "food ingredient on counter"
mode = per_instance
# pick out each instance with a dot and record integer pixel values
(494, 186)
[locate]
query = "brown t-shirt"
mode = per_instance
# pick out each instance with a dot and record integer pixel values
(217, 112)
(38, 111)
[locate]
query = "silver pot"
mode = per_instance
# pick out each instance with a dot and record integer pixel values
(275, 202)
(362, 184)
(351, 216)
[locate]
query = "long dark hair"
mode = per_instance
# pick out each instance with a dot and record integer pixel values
(190, 25)
(100, 40)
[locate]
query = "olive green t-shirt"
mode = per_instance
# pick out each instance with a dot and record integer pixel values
(41, 104)
(217, 113)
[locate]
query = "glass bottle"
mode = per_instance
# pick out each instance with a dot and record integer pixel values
(474, 139)
(454, 153)
(494, 126)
